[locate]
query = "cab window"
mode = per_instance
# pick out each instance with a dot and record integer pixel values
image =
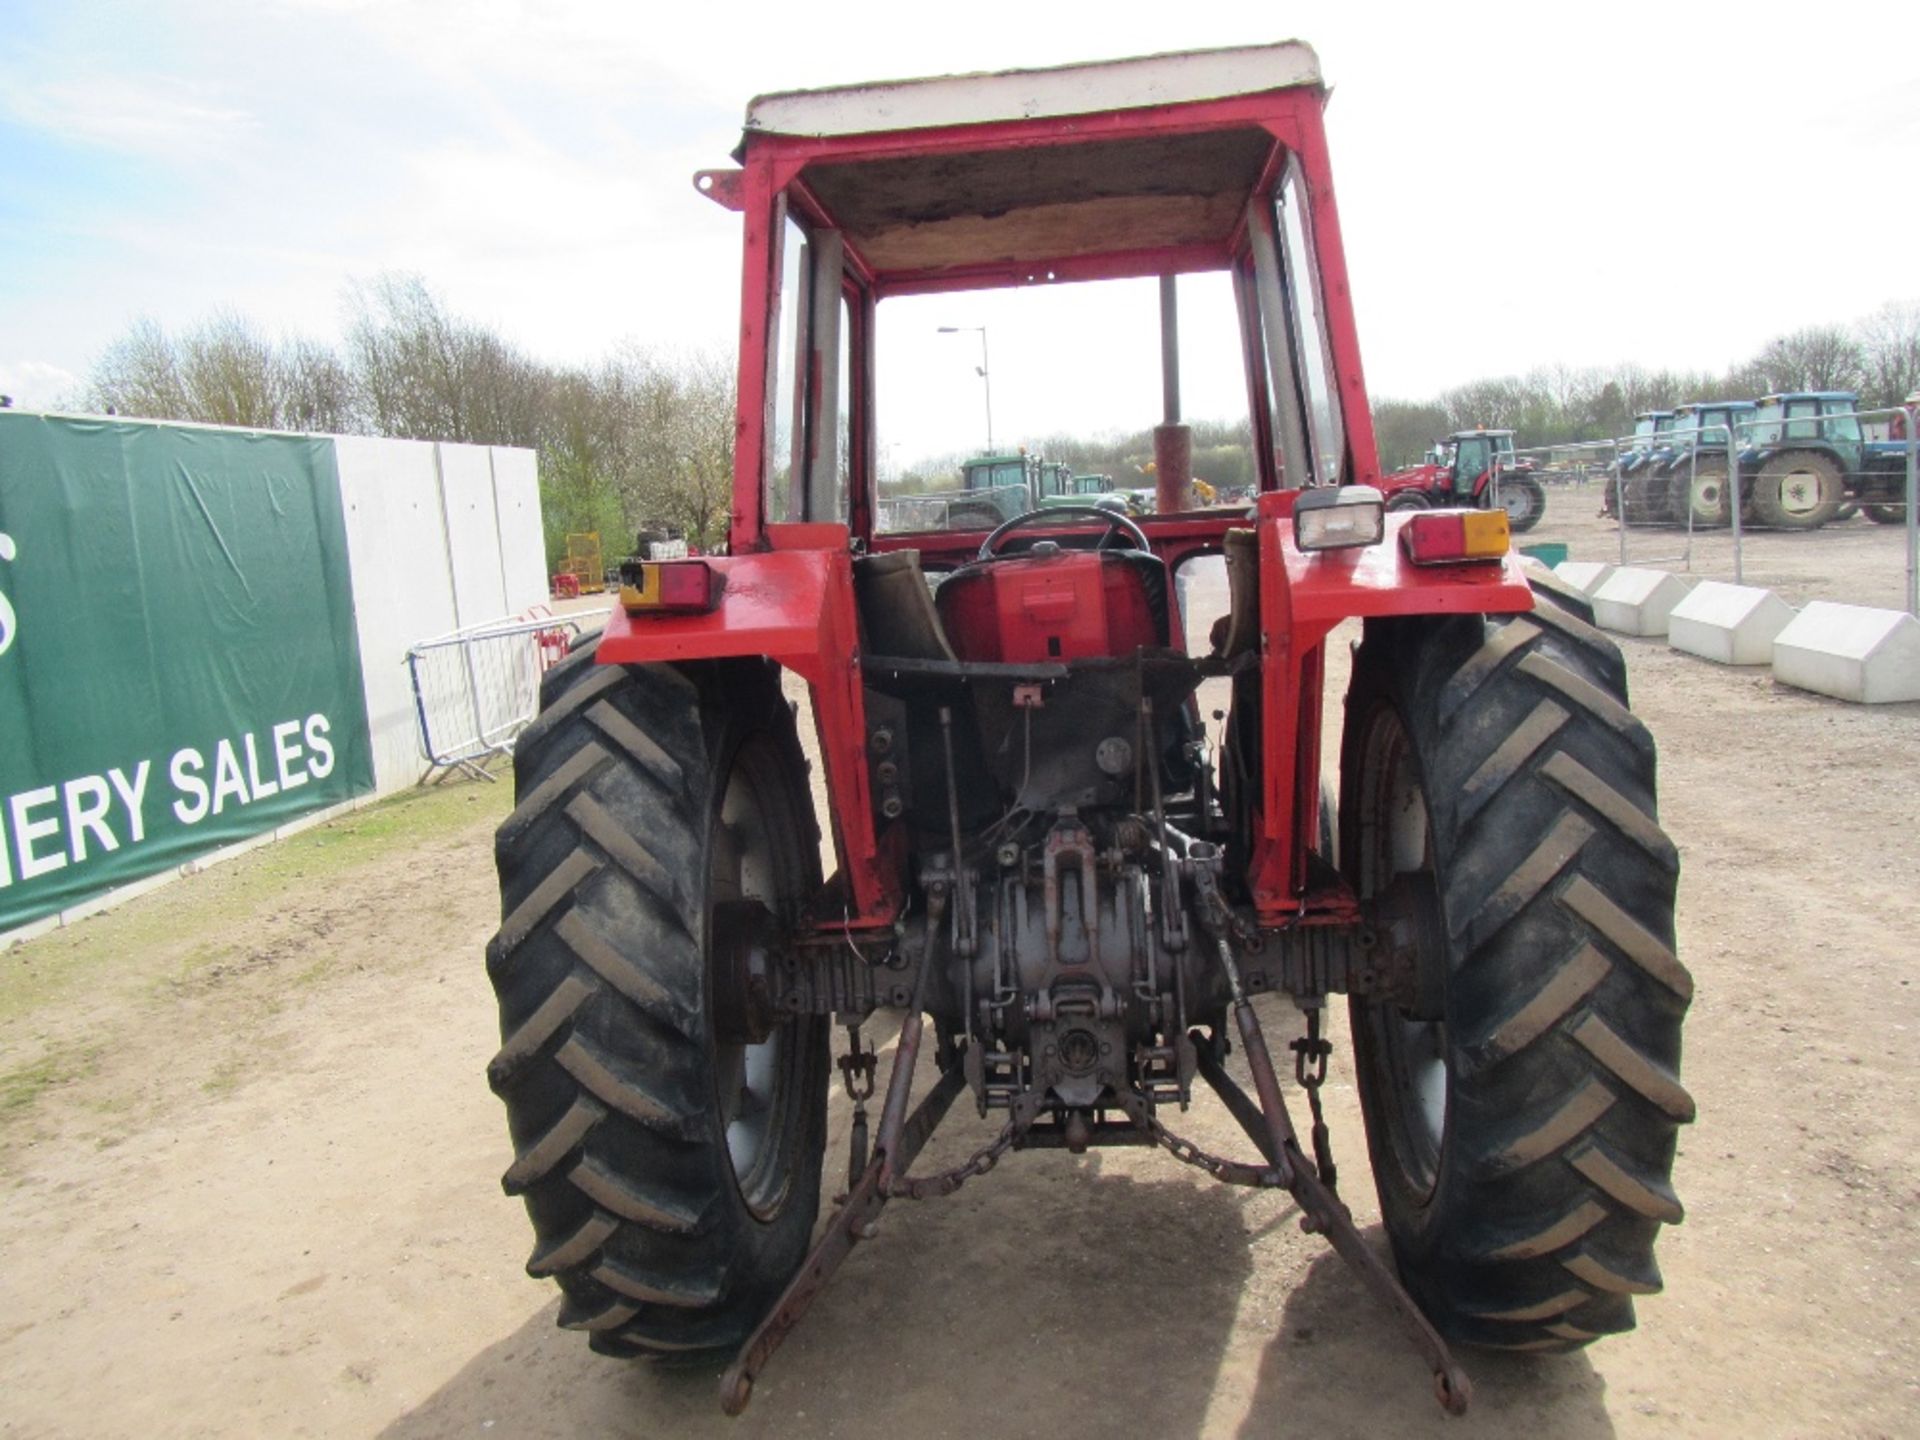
(1845, 430)
(1471, 460)
(808, 380)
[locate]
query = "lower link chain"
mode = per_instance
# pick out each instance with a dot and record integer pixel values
(928, 1187)
(1230, 1172)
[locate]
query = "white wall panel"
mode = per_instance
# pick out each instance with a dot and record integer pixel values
(439, 537)
(473, 534)
(402, 591)
(523, 545)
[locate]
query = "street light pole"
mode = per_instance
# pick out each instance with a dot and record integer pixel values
(986, 380)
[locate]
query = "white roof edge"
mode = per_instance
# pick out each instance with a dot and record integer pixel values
(1081, 89)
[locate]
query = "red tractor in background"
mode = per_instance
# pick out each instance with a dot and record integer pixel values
(1466, 469)
(1047, 867)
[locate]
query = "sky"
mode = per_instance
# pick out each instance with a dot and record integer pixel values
(1519, 185)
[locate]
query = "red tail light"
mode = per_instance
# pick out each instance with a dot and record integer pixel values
(1448, 537)
(669, 587)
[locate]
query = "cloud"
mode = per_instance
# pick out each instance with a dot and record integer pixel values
(137, 116)
(37, 385)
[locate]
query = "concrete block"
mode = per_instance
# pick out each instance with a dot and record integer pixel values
(1730, 624)
(1850, 652)
(1632, 601)
(1586, 576)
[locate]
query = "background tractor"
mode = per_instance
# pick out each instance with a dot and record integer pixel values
(1066, 888)
(1795, 465)
(1463, 470)
(1806, 461)
(1652, 445)
(994, 488)
(1685, 480)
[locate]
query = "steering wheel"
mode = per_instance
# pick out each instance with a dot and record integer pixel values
(1117, 523)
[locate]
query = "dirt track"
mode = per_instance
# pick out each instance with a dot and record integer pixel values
(251, 1173)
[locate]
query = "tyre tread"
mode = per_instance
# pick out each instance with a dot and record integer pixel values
(599, 969)
(1558, 900)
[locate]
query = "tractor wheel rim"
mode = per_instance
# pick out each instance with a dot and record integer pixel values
(1518, 504)
(754, 1084)
(1800, 493)
(1409, 1054)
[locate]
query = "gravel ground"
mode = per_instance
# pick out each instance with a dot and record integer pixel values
(1854, 561)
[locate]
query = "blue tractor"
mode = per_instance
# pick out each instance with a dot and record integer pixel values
(1651, 440)
(1804, 456)
(1687, 481)
(1808, 461)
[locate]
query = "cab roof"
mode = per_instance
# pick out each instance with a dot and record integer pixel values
(1005, 173)
(987, 97)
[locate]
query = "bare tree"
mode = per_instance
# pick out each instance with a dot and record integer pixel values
(1404, 429)
(1820, 357)
(671, 448)
(1890, 354)
(316, 389)
(230, 374)
(224, 372)
(1497, 404)
(645, 438)
(140, 375)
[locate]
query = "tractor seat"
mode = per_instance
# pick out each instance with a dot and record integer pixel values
(895, 604)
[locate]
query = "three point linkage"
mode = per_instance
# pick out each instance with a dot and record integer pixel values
(884, 1176)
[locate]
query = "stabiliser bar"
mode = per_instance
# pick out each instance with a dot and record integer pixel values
(853, 1221)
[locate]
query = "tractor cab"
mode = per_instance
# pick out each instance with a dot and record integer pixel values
(983, 473)
(1058, 487)
(1824, 418)
(1652, 430)
(1470, 457)
(1649, 424)
(1703, 425)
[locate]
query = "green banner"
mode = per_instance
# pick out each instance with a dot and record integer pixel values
(178, 662)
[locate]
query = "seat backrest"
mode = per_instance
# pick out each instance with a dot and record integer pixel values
(1065, 605)
(897, 614)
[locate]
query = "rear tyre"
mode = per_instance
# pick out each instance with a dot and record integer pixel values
(1702, 500)
(670, 1165)
(1524, 501)
(1521, 1096)
(1882, 514)
(1801, 490)
(1646, 495)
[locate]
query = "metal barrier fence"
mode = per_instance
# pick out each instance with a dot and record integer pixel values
(914, 512)
(1885, 479)
(475, 689)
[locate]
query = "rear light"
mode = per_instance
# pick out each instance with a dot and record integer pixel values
(1450, 537)
(1339, 518)
(669, 587)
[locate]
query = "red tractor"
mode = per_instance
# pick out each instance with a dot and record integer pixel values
(1467, 470)
(1038, 847)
